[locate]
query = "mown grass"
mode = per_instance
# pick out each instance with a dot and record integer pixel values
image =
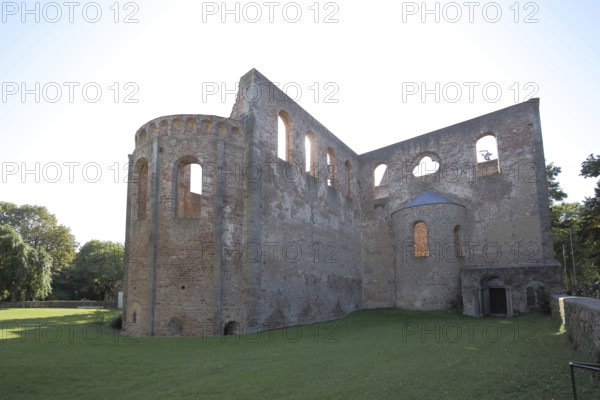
(385, 353)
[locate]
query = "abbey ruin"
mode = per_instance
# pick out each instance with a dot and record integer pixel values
(227, 237)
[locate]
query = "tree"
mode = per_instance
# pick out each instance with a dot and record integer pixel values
(40, 230)
(566, 224)
(555, 192)
(576, 232)
(590, 225)
(97, 272)
(25, 273)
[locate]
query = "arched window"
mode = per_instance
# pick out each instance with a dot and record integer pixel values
(487, 156)
(142, 136)
(426, 166)
(196, 178)
(380, 182)
(284, 136)
(189, 189)
(309, 149)
(331, 167)
(421, 240)
(142, 189)
(536, 294)
(348, 176)
(380, 175)
(458, 251)
(531, 299)
(487, 149)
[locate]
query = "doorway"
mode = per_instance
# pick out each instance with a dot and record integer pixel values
(497, 301)
(495, 298)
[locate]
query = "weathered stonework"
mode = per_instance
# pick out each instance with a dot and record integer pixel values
(580, 317)
(269, 243)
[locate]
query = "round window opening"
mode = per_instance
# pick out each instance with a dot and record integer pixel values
(426, 167)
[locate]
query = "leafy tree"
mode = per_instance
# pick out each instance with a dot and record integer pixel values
(576, 232)
(40, 230)
(566, 224)
(25, 273)
(570, 249)
(555, 192)
(590, 226)
(96, 273)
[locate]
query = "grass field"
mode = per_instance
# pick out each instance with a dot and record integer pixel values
(385, 354)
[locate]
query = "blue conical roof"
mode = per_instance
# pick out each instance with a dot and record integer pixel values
(427, 198)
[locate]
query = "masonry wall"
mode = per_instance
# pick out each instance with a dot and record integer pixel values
(377, 258)
(275, 242)
(307, 230)
(581, 319)
(516, 281)
(176, 265)
(429, 282)
(507, 220)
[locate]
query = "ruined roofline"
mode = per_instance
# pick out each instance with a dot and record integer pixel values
(256, 76)
(534, 101)
(199, 125)
(181, 116)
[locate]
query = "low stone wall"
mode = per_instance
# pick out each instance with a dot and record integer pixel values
(581, 319)
(59, 304)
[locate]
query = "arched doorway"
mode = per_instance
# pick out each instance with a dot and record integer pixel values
(495, 298)
(231, 328)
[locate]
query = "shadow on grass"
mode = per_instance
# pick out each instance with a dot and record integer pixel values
(384, 353)
(61, 324)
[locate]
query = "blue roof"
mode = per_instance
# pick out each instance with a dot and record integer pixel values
(427, 198)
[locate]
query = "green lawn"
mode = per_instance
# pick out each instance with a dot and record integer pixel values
(374, 354)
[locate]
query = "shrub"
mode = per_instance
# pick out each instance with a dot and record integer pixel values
(117, 322)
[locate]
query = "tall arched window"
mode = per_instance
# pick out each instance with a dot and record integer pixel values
(487, 156)
(421, 240)
(196, 178)
(189, 189)
(284, 136)
(458, 251)
(380, 175)
(142, 189)
(487, 148)
(380, 182)
(348, 177)
(331, 163)
(309, 149)
(142, 136)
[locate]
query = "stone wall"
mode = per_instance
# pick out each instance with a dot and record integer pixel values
(507, 206)
(433, 281)
(184, 246)
(580, 317)
(304, 218)
(307, 236)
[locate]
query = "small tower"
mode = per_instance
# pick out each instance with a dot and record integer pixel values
(175, 214)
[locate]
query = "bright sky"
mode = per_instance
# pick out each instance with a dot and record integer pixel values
(79, 78)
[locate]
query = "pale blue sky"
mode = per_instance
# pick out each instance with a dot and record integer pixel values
(368, 57)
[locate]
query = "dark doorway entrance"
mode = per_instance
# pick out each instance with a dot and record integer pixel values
(497, 301)
(231, 328)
